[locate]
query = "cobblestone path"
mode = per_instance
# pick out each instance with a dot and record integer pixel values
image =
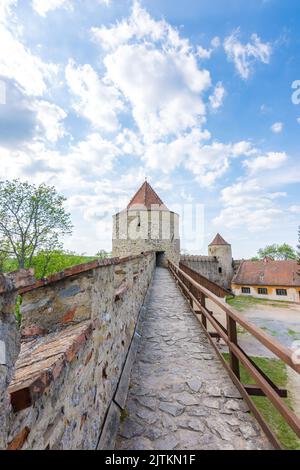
(180, 396)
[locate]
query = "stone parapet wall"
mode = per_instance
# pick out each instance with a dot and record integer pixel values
(9, 342)
(77, 329)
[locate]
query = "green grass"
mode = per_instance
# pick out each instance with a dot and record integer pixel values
(293, 333)
(276, 371)
(242, 303)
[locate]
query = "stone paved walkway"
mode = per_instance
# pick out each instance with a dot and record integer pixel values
(180, 396)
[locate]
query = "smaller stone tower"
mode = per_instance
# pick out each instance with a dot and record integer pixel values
(147, 225)
(222, 251)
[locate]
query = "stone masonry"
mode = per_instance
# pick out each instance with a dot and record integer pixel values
(9, 342)
(180, 395)
(77, 328)
(146, 224)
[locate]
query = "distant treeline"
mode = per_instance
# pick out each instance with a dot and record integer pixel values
(46, 263)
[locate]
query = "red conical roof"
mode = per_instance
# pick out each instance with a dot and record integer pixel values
(218, 240)
(147, 197)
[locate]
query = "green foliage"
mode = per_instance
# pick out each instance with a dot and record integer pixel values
(32, 220)
(45, 264)
(241, 302)
(103, 254)
(276, 371)
(277, 252)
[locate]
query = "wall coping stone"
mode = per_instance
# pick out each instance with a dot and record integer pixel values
(79, 269)
(42, 360)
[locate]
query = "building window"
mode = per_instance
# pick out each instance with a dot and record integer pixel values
(262, 291)
(220, 270)
(281, 292)
(246, 290)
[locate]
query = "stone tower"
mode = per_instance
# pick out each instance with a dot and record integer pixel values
(147, 224)
(222, 251)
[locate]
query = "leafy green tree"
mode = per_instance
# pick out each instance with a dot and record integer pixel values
(32, 219)
(47, 263)
(102, 254)
(3, 254)
(277, 252)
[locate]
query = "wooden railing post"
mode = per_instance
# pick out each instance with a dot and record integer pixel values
(232, 336)
(202, 301)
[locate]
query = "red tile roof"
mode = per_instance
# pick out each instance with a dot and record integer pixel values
(146, 197)
(218, 240)
(268, 273)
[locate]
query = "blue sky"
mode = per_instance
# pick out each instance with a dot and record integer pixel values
(193, 95)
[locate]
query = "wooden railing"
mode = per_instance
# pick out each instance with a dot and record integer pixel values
(197, 295)
(205, 282)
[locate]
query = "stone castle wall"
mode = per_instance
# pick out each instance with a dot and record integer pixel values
(9, 343)
(136, 231)
(209, 266)
(78, 331)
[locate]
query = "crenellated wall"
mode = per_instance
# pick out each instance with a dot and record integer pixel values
(78, 342)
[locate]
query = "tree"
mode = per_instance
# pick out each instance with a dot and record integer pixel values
(277, 252)
(4, 246)
(102, 254)
(32, 219)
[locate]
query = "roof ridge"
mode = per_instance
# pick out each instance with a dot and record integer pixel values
(146, 196)
(219, 240)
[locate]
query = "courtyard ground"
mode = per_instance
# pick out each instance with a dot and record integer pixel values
(282, 321)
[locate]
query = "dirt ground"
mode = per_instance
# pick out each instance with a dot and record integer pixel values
(283, 323)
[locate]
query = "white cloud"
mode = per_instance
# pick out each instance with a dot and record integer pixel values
(247, 205)
(42, 7)
(245, 55)
(94, 99)
(6, 9)
(298, 120)
(203, 53)
(156, 71)
(270, 161)
(49, 120)
(216, 42)
(139, 25)
(207, 162)
(130, 143)
(17, 62)
(294, 209)
(216, 99)
(277, 127)
(163, 88)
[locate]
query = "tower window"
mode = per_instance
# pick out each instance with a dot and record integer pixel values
(220, 270)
